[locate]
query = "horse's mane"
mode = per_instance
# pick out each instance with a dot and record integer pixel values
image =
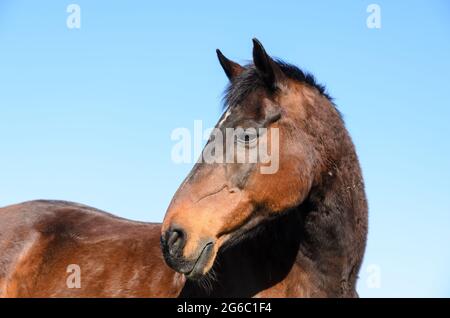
(249, 80)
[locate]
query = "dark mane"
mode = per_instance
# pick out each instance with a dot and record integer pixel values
(250, 80)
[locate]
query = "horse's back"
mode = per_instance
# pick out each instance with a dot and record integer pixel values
(64, 249)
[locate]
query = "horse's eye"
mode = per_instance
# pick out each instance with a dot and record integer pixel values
(247, 137)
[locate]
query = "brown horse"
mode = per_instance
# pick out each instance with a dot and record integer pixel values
(40, 241)
(299, 231)
(231, 229)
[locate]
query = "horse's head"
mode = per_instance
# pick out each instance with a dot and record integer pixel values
(269, 106)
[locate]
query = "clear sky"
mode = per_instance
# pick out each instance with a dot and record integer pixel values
(86, 114)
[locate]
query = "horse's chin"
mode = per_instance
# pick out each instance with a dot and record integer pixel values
(203, 263)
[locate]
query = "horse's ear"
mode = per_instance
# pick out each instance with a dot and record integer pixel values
(266, 66)
(231, 68)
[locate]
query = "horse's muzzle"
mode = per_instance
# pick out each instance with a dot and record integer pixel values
(172, 243)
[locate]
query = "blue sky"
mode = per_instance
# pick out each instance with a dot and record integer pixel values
(86, 114)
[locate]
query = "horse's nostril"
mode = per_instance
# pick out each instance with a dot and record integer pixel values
(175, 240)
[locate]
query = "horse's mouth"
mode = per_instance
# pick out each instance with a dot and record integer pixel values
(197, 270)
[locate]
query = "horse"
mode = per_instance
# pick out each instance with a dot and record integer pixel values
(297, 231)
(41, 242)
(232, 229)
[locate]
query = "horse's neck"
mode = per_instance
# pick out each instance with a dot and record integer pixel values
(293, 261)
